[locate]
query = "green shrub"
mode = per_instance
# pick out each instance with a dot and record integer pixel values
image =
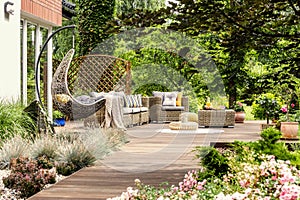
(73, 156)
(28, 178)
(44, 145)
(266, 106)
(15, 121)
(14, 147)
(270, 145)
(100, 142)
(213, 161)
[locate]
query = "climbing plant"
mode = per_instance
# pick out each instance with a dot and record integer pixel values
(91, 21)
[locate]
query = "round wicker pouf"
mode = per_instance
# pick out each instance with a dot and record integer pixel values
(183, 126)
(189, 117)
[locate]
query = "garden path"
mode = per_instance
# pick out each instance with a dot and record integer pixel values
(150, 156)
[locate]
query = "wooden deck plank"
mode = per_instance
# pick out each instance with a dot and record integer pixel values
(150, 156)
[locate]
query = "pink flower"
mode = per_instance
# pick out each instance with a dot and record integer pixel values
(292, 105)
(284, 109)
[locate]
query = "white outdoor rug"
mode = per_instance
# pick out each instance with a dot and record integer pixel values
(198, 131)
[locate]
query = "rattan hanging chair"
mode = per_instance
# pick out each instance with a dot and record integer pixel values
(75, 79)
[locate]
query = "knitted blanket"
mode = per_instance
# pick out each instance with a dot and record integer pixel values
(114, 112)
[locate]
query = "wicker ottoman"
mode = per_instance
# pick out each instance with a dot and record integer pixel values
(218, 118)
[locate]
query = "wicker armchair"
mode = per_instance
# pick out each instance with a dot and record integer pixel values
(160, 113)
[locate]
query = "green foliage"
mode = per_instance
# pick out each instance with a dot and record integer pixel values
(14, 121)
(44, 162)
(213, 161)
(147, 89)
(248, 111)
(14, 147)
(44, 146)
(130, 6)
(91, 23)
(270, 135)
(28, 177)
(270, 145)
(57, 114)
(266, 106)
(74, 156)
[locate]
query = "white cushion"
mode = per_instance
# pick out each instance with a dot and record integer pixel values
(144, 109)
(127, 110)
(159, 94)
(170, 99)
(136, 110)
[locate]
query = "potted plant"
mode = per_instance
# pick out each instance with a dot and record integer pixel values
(266, 106)
(288, 122)
(239, 112)
(58, 118)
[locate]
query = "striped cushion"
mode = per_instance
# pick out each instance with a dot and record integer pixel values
(128, 102)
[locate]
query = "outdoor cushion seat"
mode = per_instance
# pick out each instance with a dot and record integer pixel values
(189, 116)
(144, 109)
(136, 110)
(127, 110)
(183, 125)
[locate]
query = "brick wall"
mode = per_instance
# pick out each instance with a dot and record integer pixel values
(49, 10)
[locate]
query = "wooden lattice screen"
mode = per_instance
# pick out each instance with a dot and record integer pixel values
(99, 73)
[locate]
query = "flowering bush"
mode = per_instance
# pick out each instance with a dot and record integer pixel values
(28, 177)
(288, 113)
(250, 175)
(270, 179)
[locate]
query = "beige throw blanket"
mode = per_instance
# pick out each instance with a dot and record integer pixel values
(114, 112)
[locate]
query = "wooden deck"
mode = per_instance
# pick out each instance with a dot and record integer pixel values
(151, 156)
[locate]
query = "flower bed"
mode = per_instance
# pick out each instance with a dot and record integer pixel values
(243, 170)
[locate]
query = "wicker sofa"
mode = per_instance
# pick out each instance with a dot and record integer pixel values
(161, 112)
(216, 118)
(135, 111)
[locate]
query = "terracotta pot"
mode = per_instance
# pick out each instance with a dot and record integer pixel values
(289, 129)
(240, 117)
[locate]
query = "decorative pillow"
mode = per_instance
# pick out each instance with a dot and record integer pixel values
(159, 94)
(134, 101)
(84, 99)
(170, 99)
(138, 98)
(96, 94)
(62, 98)
(178, 99)
(128, 102)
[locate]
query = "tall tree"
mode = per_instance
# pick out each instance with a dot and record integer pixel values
(91, 19)
(242, 26)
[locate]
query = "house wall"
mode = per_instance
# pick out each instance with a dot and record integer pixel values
(10, 70)
(44, 10)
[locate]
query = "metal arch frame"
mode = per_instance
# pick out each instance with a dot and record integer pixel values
(38, 61)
